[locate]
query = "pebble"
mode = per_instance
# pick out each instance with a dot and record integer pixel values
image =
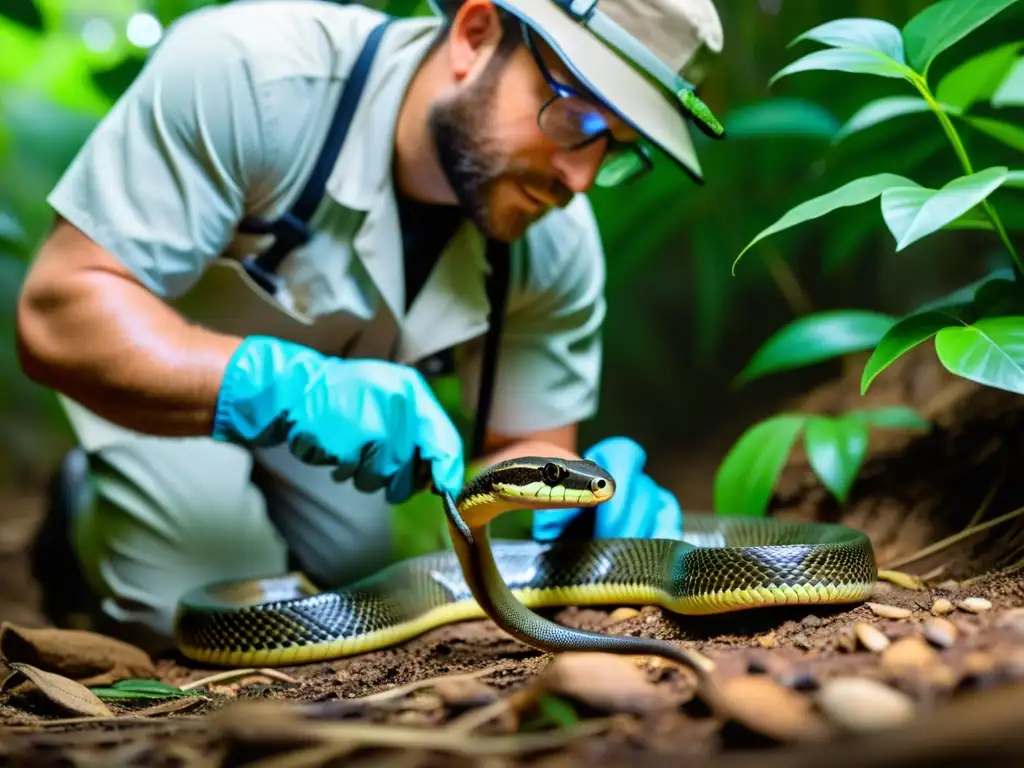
(871, 638)
(941, 632)
(861, 704)
(766, 707)
(811, 621)
(977, 663)
(888, 611)
(603, 681)
(942, 607)
(908, 653)
(623, 613)
(974, 604)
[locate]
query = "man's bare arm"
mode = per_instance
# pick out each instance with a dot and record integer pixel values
(88, 329)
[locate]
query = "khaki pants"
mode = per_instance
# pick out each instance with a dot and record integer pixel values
(164, 515)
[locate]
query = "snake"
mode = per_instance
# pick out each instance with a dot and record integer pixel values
(722, 563)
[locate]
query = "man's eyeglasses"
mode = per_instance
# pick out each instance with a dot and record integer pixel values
(573, 121)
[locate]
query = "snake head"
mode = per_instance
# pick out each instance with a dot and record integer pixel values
(543, 482)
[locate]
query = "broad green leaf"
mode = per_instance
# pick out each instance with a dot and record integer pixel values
(140, 689)
(814, 338)
(852, 60)
(942, 25)
(1014, 179)
(781, 117)
(973, 219)
(880, 110)
(23, 12)
(835, 451)
(890, 417)
(1011, 90)
(911, 214)
(870, 33)
(977, 78)
(990, 352)
(747, 475)
(852, 193)
(900, 339)
(1008, 133)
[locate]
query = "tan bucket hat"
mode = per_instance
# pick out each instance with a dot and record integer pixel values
(642, 58)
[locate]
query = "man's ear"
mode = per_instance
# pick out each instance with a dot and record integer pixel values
(473, 37)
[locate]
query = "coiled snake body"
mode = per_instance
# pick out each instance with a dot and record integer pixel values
(723, 564)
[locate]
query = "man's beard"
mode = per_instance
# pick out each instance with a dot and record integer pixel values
(470, 162)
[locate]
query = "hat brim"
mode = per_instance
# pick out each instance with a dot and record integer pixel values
(634, 98)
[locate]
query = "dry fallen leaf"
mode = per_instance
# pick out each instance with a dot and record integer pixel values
(88, 657)
(64, 691)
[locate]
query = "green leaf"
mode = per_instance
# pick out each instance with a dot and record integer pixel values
(942, 25)
(856, 61)
(973, 219)
(870, 33)
(1011, 90)
(852, 193)
(23, 12)
(890, 417)
(1009, 134)
(814, 338)
(880, 110)
(781, 117)
(747, 475)
(900, 339)
(977, 78)
(912, 212)
(140, 689)
(1014, 179)
(835, 451)
(990, 352)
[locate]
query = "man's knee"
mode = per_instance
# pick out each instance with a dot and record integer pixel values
(164, 516)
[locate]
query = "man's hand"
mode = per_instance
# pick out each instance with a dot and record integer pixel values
(639, 509)
(371, 421)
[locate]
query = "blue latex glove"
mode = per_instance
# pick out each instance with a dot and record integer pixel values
(368, 419)
(639, 509)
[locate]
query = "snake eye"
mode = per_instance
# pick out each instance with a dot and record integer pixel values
(552, 473)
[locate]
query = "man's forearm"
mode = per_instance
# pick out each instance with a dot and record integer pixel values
(88, 330)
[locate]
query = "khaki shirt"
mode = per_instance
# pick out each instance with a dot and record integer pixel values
(227, 119)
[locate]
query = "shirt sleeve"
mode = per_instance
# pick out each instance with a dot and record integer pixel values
(165, 176)
(549, 364)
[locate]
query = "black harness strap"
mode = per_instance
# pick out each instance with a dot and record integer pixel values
(292, 230)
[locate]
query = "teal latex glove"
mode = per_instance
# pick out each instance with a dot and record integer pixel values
(371, 420)
(640, 508)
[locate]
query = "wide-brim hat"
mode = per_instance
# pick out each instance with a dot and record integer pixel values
(641, 58)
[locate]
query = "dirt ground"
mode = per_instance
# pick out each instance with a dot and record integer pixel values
(929, 672)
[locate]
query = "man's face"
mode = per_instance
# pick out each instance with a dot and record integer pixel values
(506, 172)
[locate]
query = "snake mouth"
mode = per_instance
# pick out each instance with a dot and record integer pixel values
(540, 495)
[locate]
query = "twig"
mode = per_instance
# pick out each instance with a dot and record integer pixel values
(938, 546)
(133, 718)
(236, 673)
(416, 685)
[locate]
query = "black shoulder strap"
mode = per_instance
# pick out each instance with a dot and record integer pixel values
(498, 255)
(292, 229)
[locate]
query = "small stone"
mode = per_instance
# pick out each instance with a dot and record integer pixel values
(800, 640)
(623, 613)
(811, 621)
(942, 607)
(908, 653)
(974, 604)
(871, 637)
(941, 632)
(766, 641)
(888, 611)
(861, 704)
(847, 640)
(977, 663)
(603, 681)
(762, 705)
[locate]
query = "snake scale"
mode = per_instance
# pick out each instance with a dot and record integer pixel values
(722, 564)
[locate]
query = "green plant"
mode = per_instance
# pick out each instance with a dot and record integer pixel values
(979, 330)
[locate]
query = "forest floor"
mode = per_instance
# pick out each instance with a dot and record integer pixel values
(930, 671)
